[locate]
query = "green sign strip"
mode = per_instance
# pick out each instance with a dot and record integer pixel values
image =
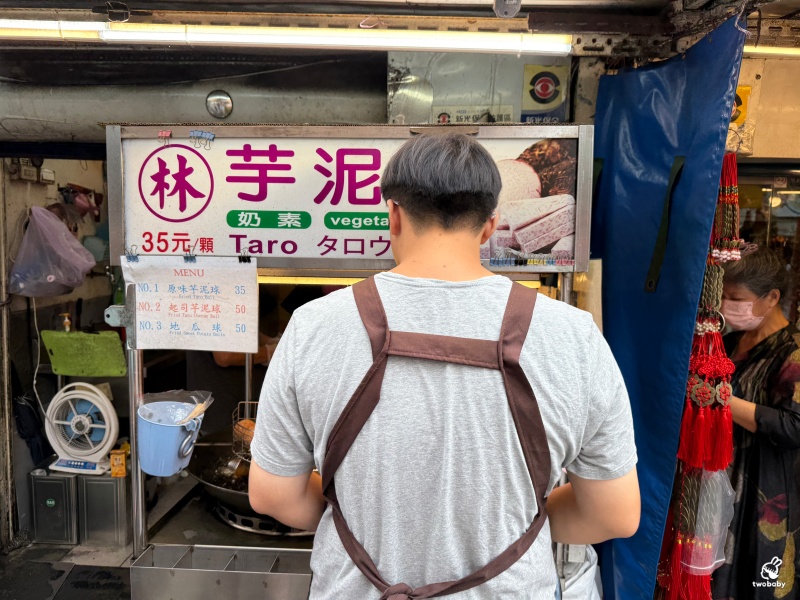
(357, 220)
(269, 219)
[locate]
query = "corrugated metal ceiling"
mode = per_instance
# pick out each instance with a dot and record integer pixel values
(628, 28)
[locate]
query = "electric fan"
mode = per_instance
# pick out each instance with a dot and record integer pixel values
(82, 427)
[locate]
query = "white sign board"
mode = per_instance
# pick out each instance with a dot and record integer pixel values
(461, 115)
(210, 304)
(320, 198)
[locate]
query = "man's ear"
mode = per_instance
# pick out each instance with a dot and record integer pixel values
(395, 218)
(490, 227)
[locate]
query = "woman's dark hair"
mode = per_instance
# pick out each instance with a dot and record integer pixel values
(448, 179)
(760, 272)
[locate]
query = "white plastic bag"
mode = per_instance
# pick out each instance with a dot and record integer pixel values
(582, 579)
(715, 498)
(50, 261)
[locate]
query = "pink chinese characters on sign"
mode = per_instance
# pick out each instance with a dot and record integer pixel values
(176, 183)
(345, 177)
(260, 170)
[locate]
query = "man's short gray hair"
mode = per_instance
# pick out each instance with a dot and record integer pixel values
(448, 179)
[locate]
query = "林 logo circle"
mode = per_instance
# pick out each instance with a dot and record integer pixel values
(544, 87)
(176, 183)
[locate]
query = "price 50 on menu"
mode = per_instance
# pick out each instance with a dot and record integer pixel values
(210, 304)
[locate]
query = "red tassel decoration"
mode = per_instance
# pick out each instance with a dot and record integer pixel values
(697, 455)
(723, 448)
(697, 587)
(711, 440)
(687, 427)
(706, 442)
(673, 586)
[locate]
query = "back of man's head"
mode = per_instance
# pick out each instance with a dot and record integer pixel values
(448, 180)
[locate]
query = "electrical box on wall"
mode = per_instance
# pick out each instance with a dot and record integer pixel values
(47, 176)
(28, 173)
(12, 166)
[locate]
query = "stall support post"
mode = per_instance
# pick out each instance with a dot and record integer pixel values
(248, 384)
(7, 492)
(138, 511)
(565, 288)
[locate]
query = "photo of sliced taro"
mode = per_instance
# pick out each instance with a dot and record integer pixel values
(537, 202)
(546, 153)
(520, 182)
(564, 249)
(556, 164)
(546, 230)
(524, 212)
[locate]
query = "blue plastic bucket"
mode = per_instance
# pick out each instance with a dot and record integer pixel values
(164, 447)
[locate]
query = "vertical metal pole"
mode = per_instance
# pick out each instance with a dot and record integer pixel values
(769, 213)
(565, 289)
(565, 295)
(7, 492)
(248, 384)
(138, 510)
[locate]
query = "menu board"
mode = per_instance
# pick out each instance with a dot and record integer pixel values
(206, 304)
(311, 200)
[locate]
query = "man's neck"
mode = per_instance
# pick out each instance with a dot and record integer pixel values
(445, 256)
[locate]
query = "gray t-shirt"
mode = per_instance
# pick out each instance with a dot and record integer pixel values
(435, 485)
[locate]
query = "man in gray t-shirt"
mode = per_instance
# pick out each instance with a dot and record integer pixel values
(435, 485)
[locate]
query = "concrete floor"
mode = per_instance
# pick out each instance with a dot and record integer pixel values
(47, 572)
(39, 572)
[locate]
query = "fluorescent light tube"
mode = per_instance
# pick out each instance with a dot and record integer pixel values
(381, 39)
(289, 37)
(771, 51)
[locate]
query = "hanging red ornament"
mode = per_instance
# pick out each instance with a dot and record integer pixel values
(706, 436)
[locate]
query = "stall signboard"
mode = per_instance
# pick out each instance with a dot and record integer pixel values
(310, 197)
(205, 303)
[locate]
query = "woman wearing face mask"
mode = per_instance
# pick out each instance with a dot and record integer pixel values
(762, 554)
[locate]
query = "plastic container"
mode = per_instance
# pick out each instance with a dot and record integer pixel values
(119, 463)
(164, 447)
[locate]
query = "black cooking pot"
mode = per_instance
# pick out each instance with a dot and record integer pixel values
(210, 457)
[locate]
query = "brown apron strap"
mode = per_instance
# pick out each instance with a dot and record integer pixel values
(353, 417)
(522, 403)
(479, 353)
(521, 399)
(476, 353)
(372, 314)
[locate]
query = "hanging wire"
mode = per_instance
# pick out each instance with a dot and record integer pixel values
(739, 19)
(371, 22)
(38, 359)
(255, 73)
(758, 26)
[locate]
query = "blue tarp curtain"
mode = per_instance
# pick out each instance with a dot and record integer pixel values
(646, 118)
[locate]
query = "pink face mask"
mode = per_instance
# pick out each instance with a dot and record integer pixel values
(739, 315)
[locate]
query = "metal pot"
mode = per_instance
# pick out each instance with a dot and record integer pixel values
(216, 449)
